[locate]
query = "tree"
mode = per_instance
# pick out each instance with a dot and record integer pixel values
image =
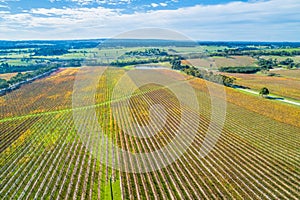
(264, 91)
(176, 64)
(3, 83)
(227, 81)
(266, 64)
(287, 61)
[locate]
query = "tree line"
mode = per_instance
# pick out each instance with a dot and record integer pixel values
(210, 76)
(147, 52)
(8, 68)
(267, 64)
(263, 64)
(123, 63)
(253, 53)
(23, 77)
(50, 52)
(245, 70)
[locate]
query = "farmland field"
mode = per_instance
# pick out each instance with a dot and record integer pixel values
(42, 156)
(290, 73)
(7, 76)
(286, 85)
(217, 62)
(281, 58)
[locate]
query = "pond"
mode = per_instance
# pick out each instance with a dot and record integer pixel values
(149, 67)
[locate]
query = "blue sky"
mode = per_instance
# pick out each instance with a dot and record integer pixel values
(222, 20)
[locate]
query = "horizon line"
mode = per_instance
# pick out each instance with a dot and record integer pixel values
(90, 39)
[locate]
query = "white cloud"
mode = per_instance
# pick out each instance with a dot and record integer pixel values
(262, 20)
(110, 2)
(154, 5)
(83, 2)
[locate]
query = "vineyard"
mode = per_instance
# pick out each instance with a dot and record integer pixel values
(42, 156)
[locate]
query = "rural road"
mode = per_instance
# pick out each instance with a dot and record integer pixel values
(279, 98)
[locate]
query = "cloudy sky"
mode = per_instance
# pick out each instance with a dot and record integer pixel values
(222, 20)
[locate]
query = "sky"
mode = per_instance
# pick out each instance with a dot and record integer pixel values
(205, 20)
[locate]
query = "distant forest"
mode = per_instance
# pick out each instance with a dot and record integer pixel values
(76, 44)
